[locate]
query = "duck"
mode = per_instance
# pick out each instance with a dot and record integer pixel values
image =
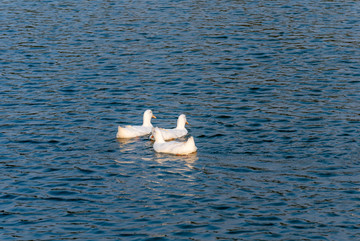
(131, 131)
(173, 147)
(179, 131)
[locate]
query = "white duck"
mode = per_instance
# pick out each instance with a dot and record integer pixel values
(134, 131)
(173, 147)
(177, 132)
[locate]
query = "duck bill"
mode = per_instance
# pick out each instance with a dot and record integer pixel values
(153, 117)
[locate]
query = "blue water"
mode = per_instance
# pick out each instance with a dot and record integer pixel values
(271, 90)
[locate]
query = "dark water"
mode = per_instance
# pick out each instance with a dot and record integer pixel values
(271, 90)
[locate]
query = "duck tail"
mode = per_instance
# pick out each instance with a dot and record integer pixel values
(118, 134)
(190, 145)
(190, 141)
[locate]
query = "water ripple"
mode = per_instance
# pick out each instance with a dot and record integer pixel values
(271, 91)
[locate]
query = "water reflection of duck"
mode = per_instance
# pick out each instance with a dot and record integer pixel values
(127, 144)
(187, 160)
(130, 131)
(173, 147)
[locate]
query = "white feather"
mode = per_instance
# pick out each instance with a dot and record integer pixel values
(173, 147)
(177, 132)
(130, 131)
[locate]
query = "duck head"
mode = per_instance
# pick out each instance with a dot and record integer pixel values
(181, 122)
(157, 135)
(147, 118)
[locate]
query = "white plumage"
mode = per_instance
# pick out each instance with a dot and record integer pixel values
(130, 131)
(173, 147)
(177, 132)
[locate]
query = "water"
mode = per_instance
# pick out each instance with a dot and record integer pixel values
(271, 91)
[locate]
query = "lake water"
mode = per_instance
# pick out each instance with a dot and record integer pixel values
(271, 90)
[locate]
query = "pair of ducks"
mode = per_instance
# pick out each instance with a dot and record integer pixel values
(161, 135)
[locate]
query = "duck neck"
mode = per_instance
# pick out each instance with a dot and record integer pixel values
(146, 121)
(180, 124)
(159, 138)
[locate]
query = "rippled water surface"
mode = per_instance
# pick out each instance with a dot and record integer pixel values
(271, 90)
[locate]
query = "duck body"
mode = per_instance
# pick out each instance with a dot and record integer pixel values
(131, 131)
(169, 134)
(173, 147)
(177, 132)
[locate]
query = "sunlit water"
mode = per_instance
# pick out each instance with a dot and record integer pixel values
(271, 90)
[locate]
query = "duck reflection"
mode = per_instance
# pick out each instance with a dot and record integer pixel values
(127, 144)
(189, 159)
(124, 141)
